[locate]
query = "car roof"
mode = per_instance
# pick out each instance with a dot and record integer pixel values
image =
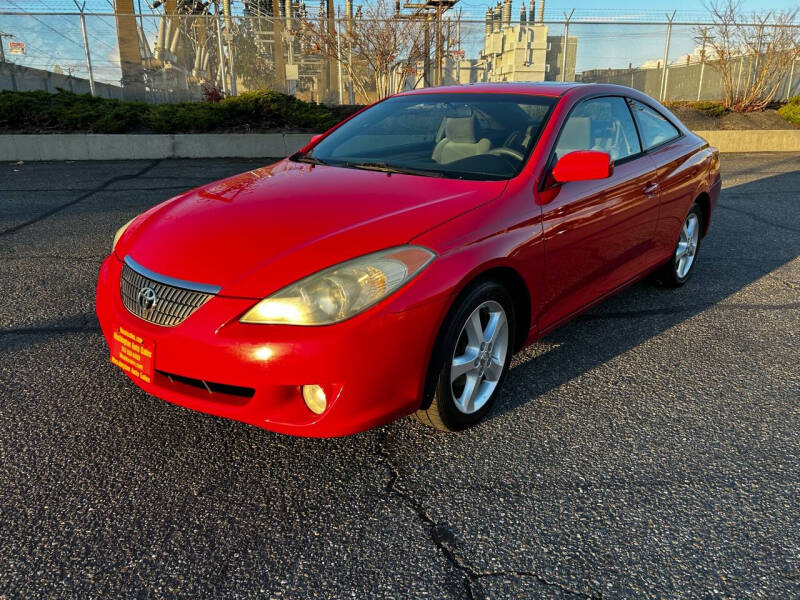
(537, 88)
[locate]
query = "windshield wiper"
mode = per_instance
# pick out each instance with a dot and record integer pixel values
(307, 158)
(387, 168)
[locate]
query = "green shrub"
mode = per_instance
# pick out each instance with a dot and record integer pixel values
(185, 116)
(65, 111)
(712, 109)
(791, 110)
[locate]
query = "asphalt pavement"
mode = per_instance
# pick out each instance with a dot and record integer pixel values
(651, 448)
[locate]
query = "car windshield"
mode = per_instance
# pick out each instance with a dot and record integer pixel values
(461, 136)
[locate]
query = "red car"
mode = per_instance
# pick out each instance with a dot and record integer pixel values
(395, 264)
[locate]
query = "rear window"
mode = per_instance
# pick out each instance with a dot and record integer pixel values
(654, 128)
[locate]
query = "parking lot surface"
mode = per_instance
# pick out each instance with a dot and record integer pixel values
(651, 448)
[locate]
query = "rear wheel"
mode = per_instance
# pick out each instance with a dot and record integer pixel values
(677, 271)
(471, 358)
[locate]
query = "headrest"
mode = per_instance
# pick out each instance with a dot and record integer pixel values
(460, 129)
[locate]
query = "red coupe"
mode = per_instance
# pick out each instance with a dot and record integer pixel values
(395, 264)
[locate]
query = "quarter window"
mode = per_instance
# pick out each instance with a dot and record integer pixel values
(654, 128)
(602, 124)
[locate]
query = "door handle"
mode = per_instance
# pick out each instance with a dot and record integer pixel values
(650, 188)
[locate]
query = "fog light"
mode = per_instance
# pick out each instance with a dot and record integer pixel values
(314, 397)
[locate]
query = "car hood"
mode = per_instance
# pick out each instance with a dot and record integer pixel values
(256, 232)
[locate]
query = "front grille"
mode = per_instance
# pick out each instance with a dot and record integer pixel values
(172, 304)
(210, 386)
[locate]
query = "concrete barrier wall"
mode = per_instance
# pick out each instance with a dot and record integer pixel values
(27, 79)
(751, 140)
(130, 146)
(275, 145)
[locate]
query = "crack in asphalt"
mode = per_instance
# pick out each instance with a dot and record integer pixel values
(82, 197)
(444, 540)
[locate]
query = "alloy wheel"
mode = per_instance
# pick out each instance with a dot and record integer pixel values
(479, 357)
(687, 246)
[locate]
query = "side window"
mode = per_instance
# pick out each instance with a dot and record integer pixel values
(603, 124)
(653, 126)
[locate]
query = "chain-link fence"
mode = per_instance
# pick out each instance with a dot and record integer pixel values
(168, 58)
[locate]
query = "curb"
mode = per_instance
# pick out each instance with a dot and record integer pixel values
(58, 146)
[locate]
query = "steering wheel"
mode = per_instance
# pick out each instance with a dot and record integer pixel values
(504, 152)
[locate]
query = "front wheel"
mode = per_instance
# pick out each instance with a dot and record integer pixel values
(470, 360)
(677, 271)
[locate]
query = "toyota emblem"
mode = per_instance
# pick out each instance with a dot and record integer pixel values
(147, 299)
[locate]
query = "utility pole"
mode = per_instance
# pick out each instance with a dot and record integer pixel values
(567, 18)
(81, 8)
(277, 46)
(426, 65)
(339, 57)
(9, 66)
(663, 92)
(221, 66)
(704, 33)
(226, 9)
(437, 73)
(333, 80)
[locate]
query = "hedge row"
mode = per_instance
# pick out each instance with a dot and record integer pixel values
(791, 110)
(260, 110)
(65, 112)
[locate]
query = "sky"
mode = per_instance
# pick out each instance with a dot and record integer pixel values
(654, 7)
(478, 7)
(56, 40)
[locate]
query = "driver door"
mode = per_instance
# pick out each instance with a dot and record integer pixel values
(598, 234)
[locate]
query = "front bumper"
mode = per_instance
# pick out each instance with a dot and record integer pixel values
(372, 367)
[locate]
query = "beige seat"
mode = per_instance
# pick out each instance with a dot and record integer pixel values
(459, 141)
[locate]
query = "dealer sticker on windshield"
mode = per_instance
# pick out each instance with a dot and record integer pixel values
(133, 354)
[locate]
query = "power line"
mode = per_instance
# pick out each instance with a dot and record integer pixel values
(56, 31)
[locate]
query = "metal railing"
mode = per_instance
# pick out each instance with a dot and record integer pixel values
(161, 58)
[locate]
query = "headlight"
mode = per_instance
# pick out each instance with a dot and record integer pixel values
(341, 291)
(119, 233)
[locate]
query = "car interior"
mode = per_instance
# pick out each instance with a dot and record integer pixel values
(485, 137)
(481, 140)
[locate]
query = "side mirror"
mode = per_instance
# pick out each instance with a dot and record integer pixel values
(583, 165)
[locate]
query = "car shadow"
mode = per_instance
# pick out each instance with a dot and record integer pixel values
(745, 243)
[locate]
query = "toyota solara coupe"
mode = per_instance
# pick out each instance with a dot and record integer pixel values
(395, 264)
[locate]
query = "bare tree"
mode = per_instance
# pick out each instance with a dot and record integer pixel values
(752, 54)
(379, 49)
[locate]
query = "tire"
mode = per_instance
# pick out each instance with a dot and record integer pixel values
(679, 267)
(480, 358)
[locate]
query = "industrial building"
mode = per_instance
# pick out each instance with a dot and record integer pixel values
(520, 52)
